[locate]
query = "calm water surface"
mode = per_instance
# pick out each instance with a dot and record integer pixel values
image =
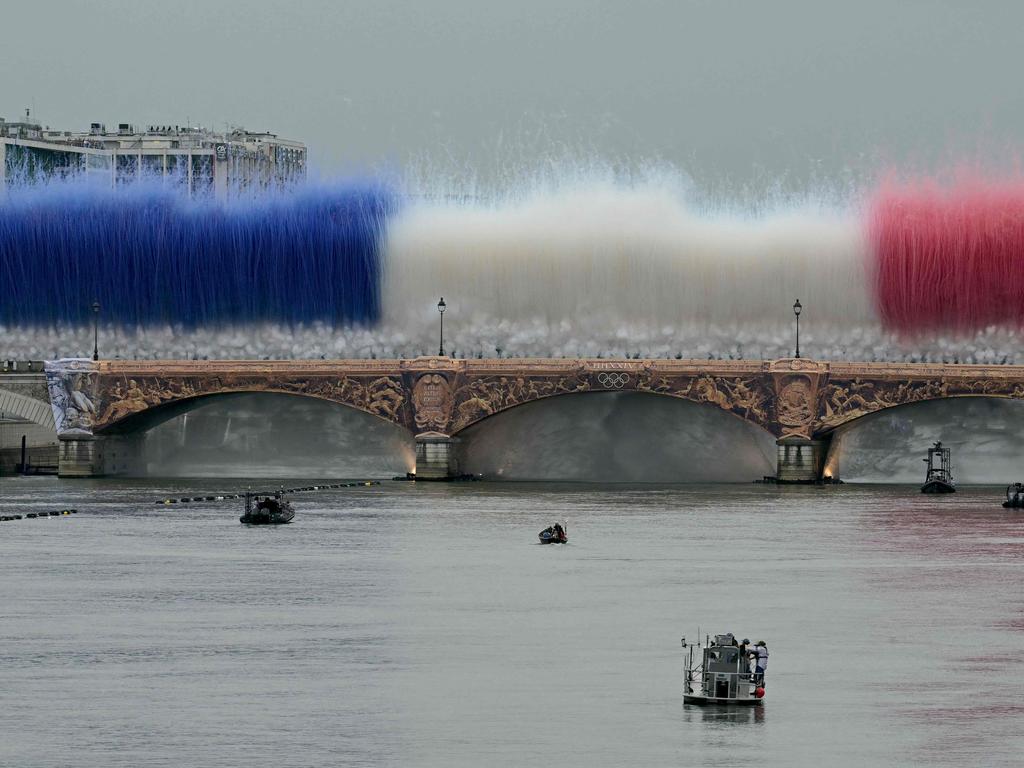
(423, 625)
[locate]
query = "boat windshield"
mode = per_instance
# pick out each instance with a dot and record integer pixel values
(723, 659)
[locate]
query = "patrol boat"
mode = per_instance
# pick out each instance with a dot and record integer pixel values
(1014, 496)
(721, 675)
(266, 509)
(940, 472)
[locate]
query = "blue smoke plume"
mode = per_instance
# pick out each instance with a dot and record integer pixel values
(151, 256)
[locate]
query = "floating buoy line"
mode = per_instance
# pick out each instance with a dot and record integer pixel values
(305, 488)
(193, 499)
(28, 515)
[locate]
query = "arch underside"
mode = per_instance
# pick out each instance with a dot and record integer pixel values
(28, 408)
(132, 414)
(474, 410)
(619, 436)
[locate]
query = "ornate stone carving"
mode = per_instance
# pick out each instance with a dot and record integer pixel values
(121, 397)
(72, 386)
(746, 396)
(487, 395)
(432, 399)
(795, 405)
(843, 400)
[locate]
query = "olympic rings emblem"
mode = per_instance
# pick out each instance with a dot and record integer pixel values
(613, 379)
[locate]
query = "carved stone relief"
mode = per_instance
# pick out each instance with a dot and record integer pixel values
(747, 396)
(794, 406)
(847, 399)
(72, 386)
(432, 399)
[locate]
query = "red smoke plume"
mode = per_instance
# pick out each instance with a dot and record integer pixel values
(949, 257)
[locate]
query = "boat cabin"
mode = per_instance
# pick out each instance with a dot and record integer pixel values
(721, 674)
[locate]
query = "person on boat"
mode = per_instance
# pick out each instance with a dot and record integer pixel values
(745, 652)
(761, 649)
(559, 531)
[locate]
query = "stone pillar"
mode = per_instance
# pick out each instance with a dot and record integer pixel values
(80, 456)
(436, 457)
(800, 460)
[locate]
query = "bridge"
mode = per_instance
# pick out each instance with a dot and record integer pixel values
(799, 401)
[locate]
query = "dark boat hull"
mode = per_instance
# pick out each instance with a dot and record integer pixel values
(938, 486)
(553, 539)
(694, 698)
(278, 518)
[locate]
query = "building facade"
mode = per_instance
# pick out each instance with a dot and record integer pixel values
(203, 161)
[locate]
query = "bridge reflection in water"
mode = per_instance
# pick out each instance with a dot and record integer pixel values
(798, 402)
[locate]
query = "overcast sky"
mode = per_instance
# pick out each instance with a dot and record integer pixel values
(725, 91)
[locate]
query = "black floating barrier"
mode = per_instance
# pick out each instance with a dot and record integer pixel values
(40, 515)
(227, 496)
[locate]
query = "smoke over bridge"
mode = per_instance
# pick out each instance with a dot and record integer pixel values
(587, 268)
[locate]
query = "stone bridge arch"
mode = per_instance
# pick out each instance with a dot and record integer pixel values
(846, 398)
(745, 395)
(123, 409)
(454, 395)
(143, 419)
(111, 395)
(28, 401)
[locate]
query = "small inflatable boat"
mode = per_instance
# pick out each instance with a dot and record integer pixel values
(554, 534)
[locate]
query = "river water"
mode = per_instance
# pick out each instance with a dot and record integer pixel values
(415, 624)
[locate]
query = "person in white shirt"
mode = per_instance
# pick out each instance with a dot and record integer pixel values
(762, 658)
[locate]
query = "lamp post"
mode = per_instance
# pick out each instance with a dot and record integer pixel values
(797, 308)
(441, 307)
(95, 330)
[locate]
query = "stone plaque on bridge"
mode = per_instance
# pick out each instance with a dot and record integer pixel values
(432, 399)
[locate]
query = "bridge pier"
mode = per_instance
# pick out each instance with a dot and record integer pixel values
(800, 460)
(436, 456)
(80, 456)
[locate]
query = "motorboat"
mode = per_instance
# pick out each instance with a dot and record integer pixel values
(939, 478)
(266, 509)
(554, 534)
(721, 673)
(1014, 496)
